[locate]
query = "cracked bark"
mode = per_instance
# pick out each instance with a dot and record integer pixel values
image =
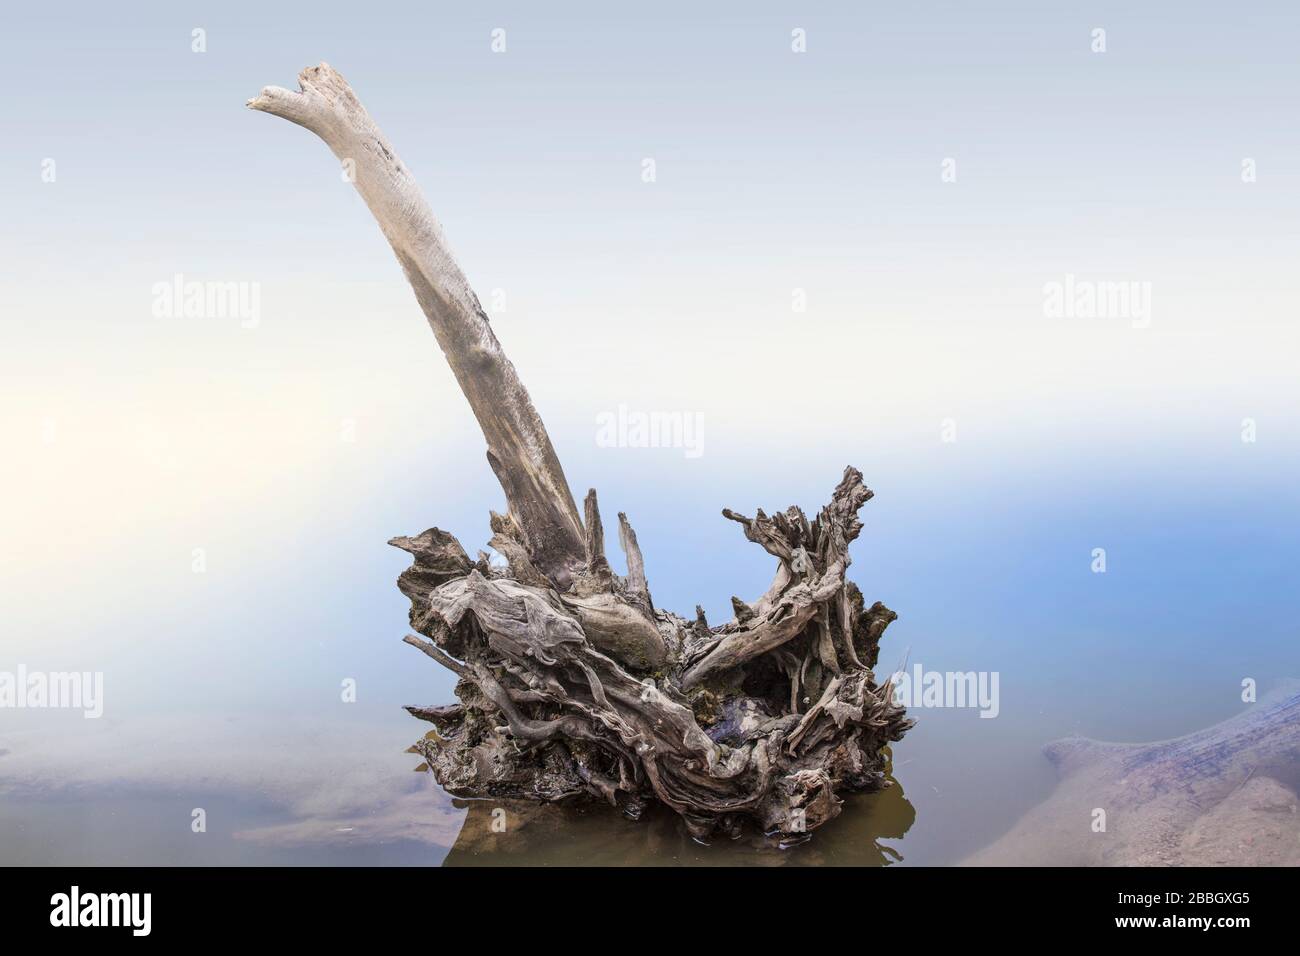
(571, 681)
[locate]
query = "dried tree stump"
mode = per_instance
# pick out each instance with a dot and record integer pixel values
(571, 682)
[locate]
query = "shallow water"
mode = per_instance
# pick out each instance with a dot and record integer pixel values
(223, 689)
(244, 719)
(955, 786)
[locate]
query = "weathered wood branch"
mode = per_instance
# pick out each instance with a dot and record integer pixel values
(519, 449)
(570, 680)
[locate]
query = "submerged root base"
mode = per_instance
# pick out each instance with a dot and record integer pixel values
(590, 691)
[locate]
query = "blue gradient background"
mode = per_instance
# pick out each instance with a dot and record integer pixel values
(776, 171)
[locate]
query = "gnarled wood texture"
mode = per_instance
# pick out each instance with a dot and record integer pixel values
(571, 681)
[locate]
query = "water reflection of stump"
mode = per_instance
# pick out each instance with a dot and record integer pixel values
(524, 833)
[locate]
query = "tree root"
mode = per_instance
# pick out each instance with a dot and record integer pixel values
(591, 690)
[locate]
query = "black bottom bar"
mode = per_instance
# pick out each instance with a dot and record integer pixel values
(337, 905)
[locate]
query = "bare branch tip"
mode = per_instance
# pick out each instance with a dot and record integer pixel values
(273, 99)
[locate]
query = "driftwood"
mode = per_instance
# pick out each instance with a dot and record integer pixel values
(571, 680)
(1226, 794)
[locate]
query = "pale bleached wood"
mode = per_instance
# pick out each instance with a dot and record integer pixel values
(519, 448)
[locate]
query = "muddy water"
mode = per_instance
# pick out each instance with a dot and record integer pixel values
(868, 833)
